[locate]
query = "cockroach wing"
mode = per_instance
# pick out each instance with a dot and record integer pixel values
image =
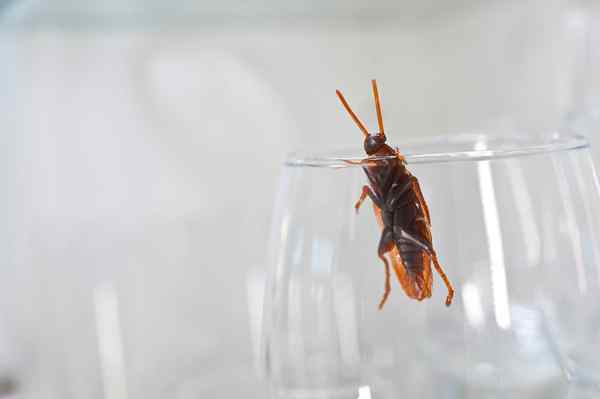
(417, 286)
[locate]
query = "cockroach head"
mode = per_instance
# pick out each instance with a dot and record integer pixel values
(373, 142)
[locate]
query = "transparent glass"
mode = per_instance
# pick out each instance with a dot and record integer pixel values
(515, 223)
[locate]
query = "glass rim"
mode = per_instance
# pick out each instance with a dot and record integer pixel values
(463, 147)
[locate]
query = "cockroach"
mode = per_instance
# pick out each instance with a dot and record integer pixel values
(401, 212)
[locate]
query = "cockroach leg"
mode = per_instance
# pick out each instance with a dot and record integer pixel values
(386, 244)
(440, 271)
(366, 190)
(387, 287)
(400, 156)
(421, 200)
(350, 162)
(363, 162)
(363, 195)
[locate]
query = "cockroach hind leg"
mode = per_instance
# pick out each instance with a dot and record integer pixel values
(440, 271)
(386, 244)
(387, 287)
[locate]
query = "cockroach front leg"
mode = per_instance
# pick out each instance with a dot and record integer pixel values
(386, 244)
(436, 264)
(363, 162)
(400, 156)
(366, 190)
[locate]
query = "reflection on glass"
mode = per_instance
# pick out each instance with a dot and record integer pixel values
(110, 345)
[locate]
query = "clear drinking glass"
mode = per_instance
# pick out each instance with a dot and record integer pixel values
(515, 223)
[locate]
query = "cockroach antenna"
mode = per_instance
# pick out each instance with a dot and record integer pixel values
(377, 107)
(352, 114)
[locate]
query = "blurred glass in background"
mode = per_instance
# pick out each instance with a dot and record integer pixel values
(141, 142)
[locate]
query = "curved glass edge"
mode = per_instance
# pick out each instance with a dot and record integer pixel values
(444, 149)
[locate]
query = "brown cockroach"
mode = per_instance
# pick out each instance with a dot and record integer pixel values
(401, 212)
